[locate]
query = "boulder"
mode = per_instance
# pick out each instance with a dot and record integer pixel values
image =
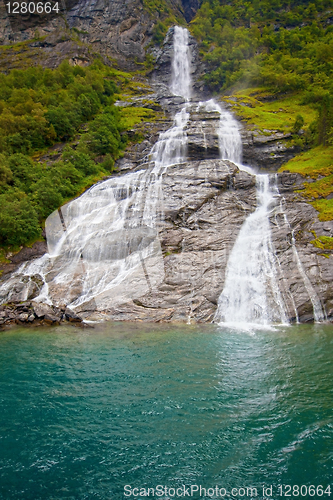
(71, 316)
(23, 317)
(41, 309)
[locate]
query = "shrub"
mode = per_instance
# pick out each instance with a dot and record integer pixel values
(18, 220)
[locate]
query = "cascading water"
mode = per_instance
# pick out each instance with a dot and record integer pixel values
(251, 293)
(104, 247)
(181, 64)
(230, 142)
(318, 312)
(251, 274)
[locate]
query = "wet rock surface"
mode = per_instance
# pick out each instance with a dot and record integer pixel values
(266, 151)
(25, 254)
(202, 222)
(315, 275)
(205, 202)
(36, 314)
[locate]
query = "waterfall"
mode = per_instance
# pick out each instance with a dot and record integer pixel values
(181, 64)
(230, 141)
(104, 246)
(251, 293)
(251, 274)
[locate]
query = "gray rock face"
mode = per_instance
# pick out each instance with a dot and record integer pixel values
(316, 264)
(190, 8)
(203, 212)
(205, 202)
(116, 28)
(120, 30)
(267, 152)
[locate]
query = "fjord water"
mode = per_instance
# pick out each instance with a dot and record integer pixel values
(86, 412)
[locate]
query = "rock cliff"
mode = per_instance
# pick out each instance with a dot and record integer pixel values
(206, 200)
(119, 31)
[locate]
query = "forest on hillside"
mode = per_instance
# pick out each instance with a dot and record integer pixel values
(286, 46)
(269, 50)
(70, 106)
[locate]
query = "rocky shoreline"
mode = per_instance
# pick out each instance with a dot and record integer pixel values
(36, 314)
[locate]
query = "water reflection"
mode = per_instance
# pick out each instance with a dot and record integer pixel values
(86, 412)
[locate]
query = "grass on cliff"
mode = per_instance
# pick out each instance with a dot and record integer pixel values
(131, 116)
(313, 163)
(316, 165)
(18, 56)
(266, 111)
(324, 243)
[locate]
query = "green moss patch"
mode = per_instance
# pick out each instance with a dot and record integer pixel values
(313, 163)
(325, 209)
(266, 111)
(323, 242)
(131, 116)
(317, 164)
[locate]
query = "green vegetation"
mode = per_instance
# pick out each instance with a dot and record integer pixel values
(316, 165)
(282, 47)
(273, 60)
(323, 242)
(259, 108)
(166, 15)
(286, 45)
(130, 116)
(42, 107)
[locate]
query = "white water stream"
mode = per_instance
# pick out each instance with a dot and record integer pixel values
(104, 247)
(181, 83)
(251, 274)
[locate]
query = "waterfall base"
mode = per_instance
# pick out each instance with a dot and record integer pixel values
(205, 204)
(161, 242)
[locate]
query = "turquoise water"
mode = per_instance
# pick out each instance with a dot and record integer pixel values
(86, 412)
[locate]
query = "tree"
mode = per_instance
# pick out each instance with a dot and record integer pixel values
(80, 161)
(47, 197)
(6, 175)
(59, 118)
(18, 219)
